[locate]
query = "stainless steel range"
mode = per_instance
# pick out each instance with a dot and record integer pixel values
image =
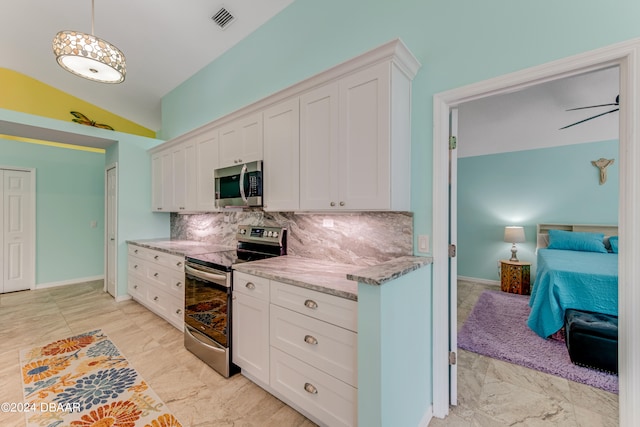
(207, 315)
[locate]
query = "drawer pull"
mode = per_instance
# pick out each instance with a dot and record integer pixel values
(155, 298)
(156, 257)
(310, 340)
(179, 285)
(155, 274)
(179, 311)
(250, 286)
(135, 286)
(178, 264)
(310, 388)
(135, 266)
(311, 304)
(135, 251)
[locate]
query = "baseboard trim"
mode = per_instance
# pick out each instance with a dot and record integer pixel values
(123, 298)
(482, 281)
(426, 418)
(68, 282)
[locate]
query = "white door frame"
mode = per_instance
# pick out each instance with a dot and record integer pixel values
(625, 55)
(106, 229)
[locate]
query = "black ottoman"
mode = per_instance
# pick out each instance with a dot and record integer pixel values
(592, 339)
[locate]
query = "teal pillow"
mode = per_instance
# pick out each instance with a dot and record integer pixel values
(613, 241)
(576, 241)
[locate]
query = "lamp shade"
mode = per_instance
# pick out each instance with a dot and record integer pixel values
(514, 234)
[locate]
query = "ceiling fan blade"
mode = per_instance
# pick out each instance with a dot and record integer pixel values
(592, 106)
(590, 118)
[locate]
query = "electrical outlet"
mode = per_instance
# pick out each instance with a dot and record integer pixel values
(327, 222)
(93, 224)
(423, 243)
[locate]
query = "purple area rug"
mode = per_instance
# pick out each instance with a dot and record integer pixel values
(497, 327)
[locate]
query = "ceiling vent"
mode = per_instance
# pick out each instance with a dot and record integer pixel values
(223, 18)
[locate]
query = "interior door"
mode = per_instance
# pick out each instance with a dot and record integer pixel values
(453, 260)
(17, 231)
(111, 231)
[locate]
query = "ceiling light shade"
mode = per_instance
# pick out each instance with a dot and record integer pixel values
(88, 56)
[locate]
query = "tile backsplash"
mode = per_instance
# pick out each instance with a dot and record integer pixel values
(365, 238)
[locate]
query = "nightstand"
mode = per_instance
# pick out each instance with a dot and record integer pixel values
(515, 276)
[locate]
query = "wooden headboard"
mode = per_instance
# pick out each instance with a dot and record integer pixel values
(543, 231)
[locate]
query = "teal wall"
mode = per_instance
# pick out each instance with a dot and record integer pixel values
(458, 42)
(551, 185)
(69, 195)
(394, 351)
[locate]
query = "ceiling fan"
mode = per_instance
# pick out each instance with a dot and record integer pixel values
(616, 104)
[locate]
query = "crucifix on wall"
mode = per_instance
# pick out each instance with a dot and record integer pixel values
(602, 164)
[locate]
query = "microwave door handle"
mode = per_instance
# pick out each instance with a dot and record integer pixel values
(242, 173)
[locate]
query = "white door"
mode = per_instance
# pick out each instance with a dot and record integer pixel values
(17, 231)
(111, 231)
(453, 260)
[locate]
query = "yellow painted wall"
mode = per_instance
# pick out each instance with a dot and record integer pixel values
(19, 92)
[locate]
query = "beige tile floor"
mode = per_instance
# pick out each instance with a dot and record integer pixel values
(491, 393)
(496, 393)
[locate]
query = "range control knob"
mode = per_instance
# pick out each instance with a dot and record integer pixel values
(242, 231)
(269, 233)
(275, 234)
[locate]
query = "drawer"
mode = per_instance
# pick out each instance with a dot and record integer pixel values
(164, 305)
(136, 288)
(327, 347)
(325, 398)
(257, 287)
(329, 308)
(136, 266)
(166, 279)
(173, 262)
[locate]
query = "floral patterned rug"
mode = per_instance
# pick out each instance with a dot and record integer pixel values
(84, 381)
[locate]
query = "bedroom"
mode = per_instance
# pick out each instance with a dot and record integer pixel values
(539, 174)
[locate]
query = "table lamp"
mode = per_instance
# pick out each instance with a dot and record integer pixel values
(513, 235)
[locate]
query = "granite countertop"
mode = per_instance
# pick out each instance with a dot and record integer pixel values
(329, 277)
(180, 247)
(319, 275)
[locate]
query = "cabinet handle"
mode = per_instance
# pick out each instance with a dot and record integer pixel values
(135, 286)
(159, 209)
(179, 285)
(135, 251)
(310, 388)
(155, 274)
(155, 298)
(156, 257)
(310, 340)
(179, 264)
(332, 204)
(182, 207)
(311, 304)
(239, 160)
(341, 203)
(250, 286)
(135, 266)
(179, 311)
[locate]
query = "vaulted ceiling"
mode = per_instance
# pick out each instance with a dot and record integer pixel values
(165, 42)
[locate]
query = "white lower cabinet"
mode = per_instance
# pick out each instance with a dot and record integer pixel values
(156, 280)
(300, 345)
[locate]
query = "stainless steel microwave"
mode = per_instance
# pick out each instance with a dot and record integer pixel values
(239, 185)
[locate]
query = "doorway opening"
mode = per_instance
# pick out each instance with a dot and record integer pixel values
(623, 55)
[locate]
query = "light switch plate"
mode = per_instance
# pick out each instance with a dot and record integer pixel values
(423, 243)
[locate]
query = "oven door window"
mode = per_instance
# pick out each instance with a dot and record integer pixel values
(207, 308)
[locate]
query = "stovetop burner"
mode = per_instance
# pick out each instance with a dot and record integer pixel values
(254, 243)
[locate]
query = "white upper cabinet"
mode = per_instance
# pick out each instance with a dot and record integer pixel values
(337, 141)
(241, 141)
(206, 149)
(351, 155)
(281, 176)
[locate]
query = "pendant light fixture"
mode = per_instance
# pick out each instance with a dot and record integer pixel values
(88, 56)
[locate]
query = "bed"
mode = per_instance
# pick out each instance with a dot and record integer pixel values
(579, 278)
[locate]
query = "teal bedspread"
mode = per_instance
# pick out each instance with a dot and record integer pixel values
(571, 279)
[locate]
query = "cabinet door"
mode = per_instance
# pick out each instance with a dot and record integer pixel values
(282, 156)
(178, 184)
(161, 181)
(319, 148)
(250, 337)
(205, 163)
(241, 141)
(364, 154)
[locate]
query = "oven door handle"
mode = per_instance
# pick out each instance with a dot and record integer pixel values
(204, 275)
